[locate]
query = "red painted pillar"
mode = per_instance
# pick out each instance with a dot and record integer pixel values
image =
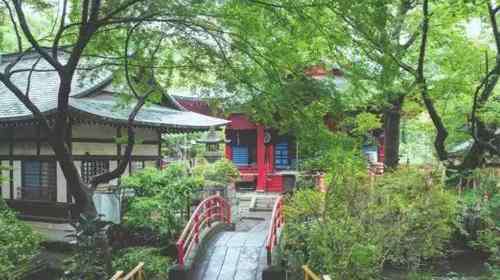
(261, 159)
(270, 158)
(229, 152)
(381, 149)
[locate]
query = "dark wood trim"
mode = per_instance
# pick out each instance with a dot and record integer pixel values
(69, 136)
(77, 140)
(118, 150)
(69, 196)
(110, 141)
(158, 163)
(38, 139)
(76, 157)
(43, 211)
(118, 145)
(11, 162)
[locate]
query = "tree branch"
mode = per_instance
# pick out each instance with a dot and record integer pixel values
(60, 31)
(14, 26)
(126, 157)
(442, 133)
(29, 35)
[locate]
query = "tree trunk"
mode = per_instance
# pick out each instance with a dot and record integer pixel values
(77, 188)
(392, 119)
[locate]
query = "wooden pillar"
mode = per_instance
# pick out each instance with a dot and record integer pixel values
(381, 149)
(270, 158)
(228, 151)
(261, 159)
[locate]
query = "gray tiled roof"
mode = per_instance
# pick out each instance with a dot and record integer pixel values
(152, 115)
(43, 92)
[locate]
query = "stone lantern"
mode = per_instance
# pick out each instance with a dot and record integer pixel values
(212, 145)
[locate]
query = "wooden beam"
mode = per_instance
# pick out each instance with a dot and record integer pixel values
(76, 157)
(159, 149)
(11, 162)
(38, 139)
(77, 140)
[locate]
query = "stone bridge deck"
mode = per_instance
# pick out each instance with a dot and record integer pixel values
(237, 255)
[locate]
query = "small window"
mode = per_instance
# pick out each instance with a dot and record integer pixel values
(136, 166)
(39, 180)
(92, 168)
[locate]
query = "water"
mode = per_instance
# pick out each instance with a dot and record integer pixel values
(467, 265)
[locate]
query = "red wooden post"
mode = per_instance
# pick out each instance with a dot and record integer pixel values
(270, 158)
(381, 149)
(180, 252)
(228, 212)
(261, 159)
(229, 152)
(197, 227)
(209, 213)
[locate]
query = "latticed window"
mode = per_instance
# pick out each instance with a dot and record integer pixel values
(39, 180)
(92, 168)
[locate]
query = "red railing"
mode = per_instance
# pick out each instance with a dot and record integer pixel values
(277, 221)
(212, 209)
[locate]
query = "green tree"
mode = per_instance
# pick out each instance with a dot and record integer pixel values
(148, 45)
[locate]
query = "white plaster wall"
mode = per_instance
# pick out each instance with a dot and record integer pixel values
(61, 185)
(46, 149)
(144, 150)
(93, 131)
(126, 172)
(150, 164)
(142, 134)
(112, 165)
(101, 149)
(6, 180)
(146, 134)
(24, 148)
(17, 179)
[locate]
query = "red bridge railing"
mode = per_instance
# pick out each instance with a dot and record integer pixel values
(212, 209)
(277, 221)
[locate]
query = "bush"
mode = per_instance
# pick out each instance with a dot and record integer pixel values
(18, 243)
(418, 213)
(161, 199)
(479, 219)
(151, 181)
(155, 265)
(220, 173)
(354, 229)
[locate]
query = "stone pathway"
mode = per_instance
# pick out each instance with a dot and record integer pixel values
(237, 255)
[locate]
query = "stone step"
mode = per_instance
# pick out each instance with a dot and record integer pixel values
(263, 203)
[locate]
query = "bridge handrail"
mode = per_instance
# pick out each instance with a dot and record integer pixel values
(213, 208)
(277, 221)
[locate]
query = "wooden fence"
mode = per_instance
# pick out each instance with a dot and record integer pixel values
(310, 275)
(135, 274)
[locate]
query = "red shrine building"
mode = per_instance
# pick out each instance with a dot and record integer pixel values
(267, 161)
